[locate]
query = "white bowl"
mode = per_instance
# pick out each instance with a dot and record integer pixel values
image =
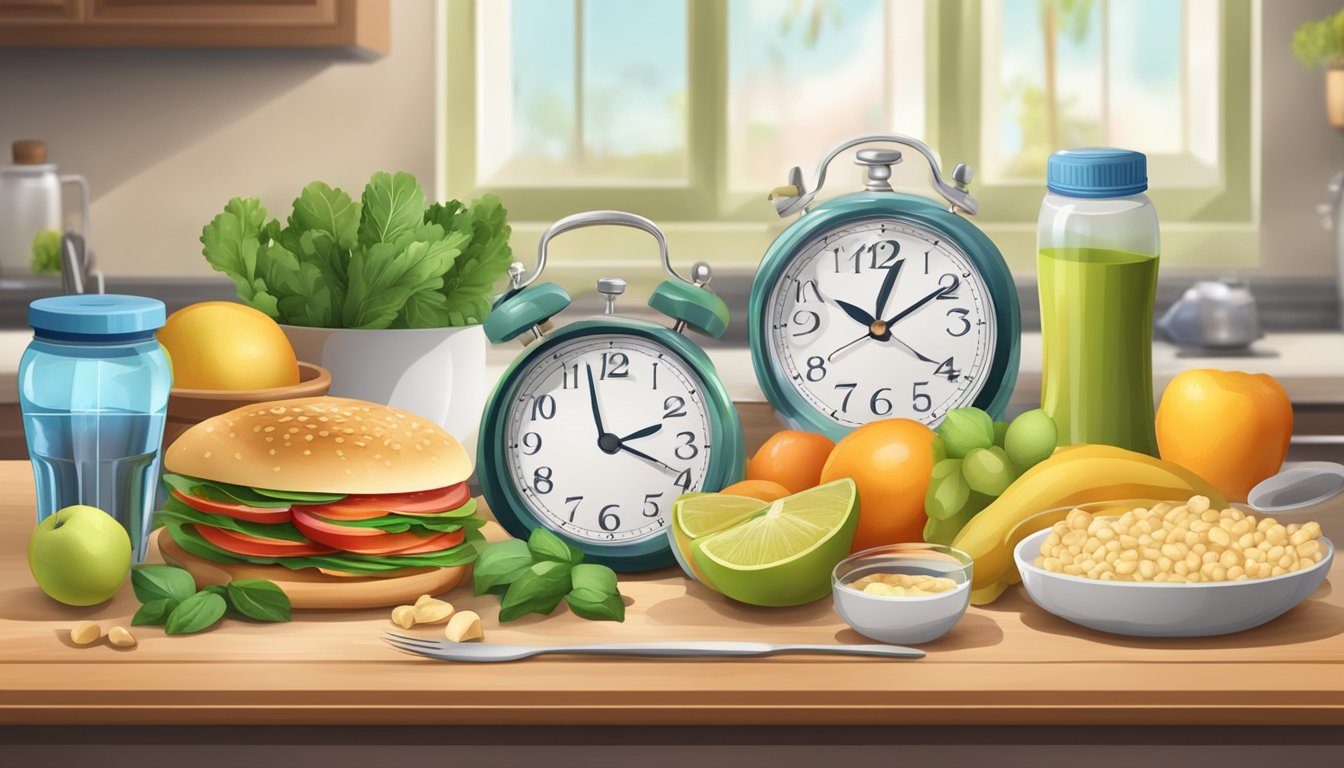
(903, 620)
(1159, 609)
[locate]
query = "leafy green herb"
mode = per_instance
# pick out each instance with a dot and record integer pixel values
(154, 612)
(386, 261)
(210, 489)
(545, 545)
(346, 562)
(158, 582)
(174, 510)
(197, 613)
(500, 564)
(259, 599)
(538, 590)
(598, 578)
(596, 606)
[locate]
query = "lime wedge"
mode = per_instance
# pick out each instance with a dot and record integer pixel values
(700, 514)
(785, 555)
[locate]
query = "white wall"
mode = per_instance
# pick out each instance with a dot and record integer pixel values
(165, 137)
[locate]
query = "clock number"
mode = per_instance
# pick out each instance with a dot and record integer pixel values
(684, 480)
(674, 407)
(689, 437)
(960, 314)
(921, 402)
(615, 365)
(849, 392)
(854, 257)
(655, 374)
(607, 520)
(573, 502)
(650, 505)
(802, 316)
(816, 368)
(888, 262)
(531, 443)
(950, 284)
(543, 406)
(879, 405)
(800, 291)
(947, 370)
(541, 480)
(565, 380)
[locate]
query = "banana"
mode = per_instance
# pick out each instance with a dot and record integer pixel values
(1044, 494)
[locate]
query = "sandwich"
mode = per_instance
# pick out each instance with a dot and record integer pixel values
(346, 487)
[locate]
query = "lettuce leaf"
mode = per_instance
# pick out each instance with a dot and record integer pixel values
(175, 511)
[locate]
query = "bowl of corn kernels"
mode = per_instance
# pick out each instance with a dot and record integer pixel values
(903, 593)
(1172, 569)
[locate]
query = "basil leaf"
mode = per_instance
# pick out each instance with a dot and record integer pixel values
(595, 606)
(154, 613)
(216, 589)
(545, 545)
(196, 613)
(157, 582)
(259, 599)
(500, 564)
(538, 590)
(598, 578)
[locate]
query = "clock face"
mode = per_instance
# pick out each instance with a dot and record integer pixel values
(880, 319)
(604, 433)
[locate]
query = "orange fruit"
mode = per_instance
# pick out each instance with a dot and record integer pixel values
(891, 462)
(791, 458)
(765, 490)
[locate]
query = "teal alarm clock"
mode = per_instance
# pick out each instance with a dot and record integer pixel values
(879, 304)
(600, 425)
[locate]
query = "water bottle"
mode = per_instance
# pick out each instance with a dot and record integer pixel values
(1097, 240)
(93, 387)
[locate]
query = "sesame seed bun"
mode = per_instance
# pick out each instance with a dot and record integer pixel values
(321, 445)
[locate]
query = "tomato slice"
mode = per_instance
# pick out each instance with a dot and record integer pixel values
(371, 541)
(243, 544)
(372, 505)
(236, 511)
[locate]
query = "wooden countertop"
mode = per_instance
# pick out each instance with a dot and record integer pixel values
(1010, 663)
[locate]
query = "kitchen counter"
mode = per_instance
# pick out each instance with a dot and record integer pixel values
(1009, 663)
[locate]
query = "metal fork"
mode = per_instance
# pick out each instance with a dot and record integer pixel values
(481, 652)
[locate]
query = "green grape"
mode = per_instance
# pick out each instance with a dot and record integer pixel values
(945, 531)
(939, 449)
(964, 430)
(988, 471)
(1000, 432)
(947, 491)
(1031, 439)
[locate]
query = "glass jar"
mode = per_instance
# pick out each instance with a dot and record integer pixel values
(93, 387)
(1097, 258)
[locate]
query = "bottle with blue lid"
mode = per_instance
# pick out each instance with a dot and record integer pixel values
(1098, 245)
(93, 387)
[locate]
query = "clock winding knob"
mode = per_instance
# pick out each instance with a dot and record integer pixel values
(610, 288)
(879, 163)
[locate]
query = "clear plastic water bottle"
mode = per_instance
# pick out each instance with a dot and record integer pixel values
(1097, 265)
(93, 386)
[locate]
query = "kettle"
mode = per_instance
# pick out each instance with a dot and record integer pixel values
(1217, 314)
(30, 209)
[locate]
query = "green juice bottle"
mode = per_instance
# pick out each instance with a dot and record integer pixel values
(1097, 259)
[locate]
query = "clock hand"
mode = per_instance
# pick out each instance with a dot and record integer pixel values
(888, 283)
(645, 432)
(855, 314)
(912, 350)
(646, 456)
(904, 312)
(592, 398)
(831, 357)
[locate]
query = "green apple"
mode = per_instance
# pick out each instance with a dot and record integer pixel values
(80, 555)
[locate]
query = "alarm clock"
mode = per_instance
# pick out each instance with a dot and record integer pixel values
(600, 425)
(878, 304)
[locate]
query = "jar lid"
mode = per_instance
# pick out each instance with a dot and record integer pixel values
(1097, 172)
(96, 314)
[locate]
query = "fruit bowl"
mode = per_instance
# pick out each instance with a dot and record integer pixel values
(903, 620)
(187, 407)
(1164, 609)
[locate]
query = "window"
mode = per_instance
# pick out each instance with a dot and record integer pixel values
(688, 111)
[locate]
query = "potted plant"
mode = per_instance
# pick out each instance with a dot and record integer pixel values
(1321, 43)
(386, 293)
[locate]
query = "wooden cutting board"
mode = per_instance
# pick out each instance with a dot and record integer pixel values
(309, 589)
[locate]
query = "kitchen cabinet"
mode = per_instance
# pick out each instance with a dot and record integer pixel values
(1010, 663)
(195, 23)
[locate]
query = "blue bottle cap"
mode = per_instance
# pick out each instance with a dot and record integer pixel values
(96, 314)
(1097, 172)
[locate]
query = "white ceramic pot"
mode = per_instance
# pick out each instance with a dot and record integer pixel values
(437, 373)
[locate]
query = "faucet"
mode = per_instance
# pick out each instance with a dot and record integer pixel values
(77, 266)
